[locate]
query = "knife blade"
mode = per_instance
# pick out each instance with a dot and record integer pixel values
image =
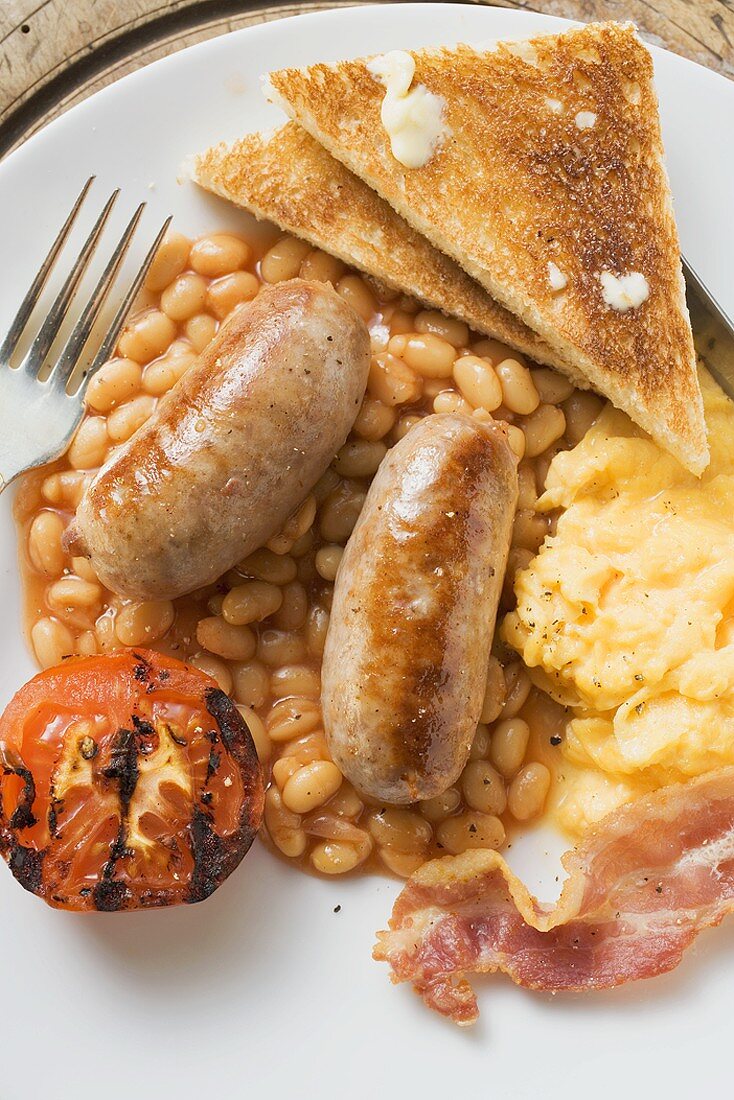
(713, 330)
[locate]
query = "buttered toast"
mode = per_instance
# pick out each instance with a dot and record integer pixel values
(546, 183)
(289, 178)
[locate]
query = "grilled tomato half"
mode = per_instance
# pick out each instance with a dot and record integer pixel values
(127, 781)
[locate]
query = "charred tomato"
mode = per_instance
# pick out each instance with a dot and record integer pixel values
(127, 781)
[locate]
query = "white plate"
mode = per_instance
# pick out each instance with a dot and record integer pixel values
(264, 989)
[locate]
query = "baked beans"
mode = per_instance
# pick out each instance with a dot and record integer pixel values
(552, 387)
(516, 439)
(404, 830)
(517, 689)
(449, 329)
(327, 561)
(542, 428)
(259, 632)
(283, 768)
(518, 389)
(441, 805)
(284, 827)
(374, 419)
(144, 622)
(428, 354)
(340, 511)
(345, 847)
(495, 692)
(317, 623)
(360, 458)
(297, 525)
(220, 254)
(305, 750)
(266, 566)
(185, 296)
(322, 267)
(64, 489)
(251, 683)
(169, 261)
(218, 670)
(392, 381)
(258, 732)
(44, 543)
(448, 401)
(283, 261)
(529, 529)
(401, 322)
(51, 641)
(292, 717)
(509, 742)
(346, 802)
(251, 602)
(200, 331)
(89, 445)
(518, 559)
(125, 421)
(477, 382)
(402, 864)
(470, 829)
(147, 336)
(311, 786)
(581, 410)
(403, 426)
(159, 376)
(83, 568)
(86, 644)
(480, 744)
(527, 486)
(528, 791)
(72, 593)
(115, 382)
(359, 296)
(291, 615)
(235, 643)
(334, 857)
(278, 647)
(484, 788)
(296, 680)
(230, 291)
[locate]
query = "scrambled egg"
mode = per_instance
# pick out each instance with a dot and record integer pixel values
(627, 614)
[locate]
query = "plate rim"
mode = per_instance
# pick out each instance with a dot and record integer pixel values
(429, 1033)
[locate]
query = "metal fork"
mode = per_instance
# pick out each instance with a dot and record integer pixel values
(40, 417)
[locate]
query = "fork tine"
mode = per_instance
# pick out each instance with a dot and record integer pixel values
(110, 339)
(83, 328)
(27, 306)
(50, 328)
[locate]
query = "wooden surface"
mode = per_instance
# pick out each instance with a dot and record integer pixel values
(55, 52)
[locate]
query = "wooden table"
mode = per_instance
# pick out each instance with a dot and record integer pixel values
(55, 52)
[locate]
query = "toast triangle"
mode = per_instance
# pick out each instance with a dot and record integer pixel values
(552, 154)
(288, 178)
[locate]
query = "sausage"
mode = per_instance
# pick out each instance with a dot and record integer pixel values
(414, 607)
(232, 450)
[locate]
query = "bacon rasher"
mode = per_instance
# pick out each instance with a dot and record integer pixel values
(640, 888)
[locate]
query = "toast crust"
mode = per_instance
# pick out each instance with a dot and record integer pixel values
(288, 178)
(520, 184)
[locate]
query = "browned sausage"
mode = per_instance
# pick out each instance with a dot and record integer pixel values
(414, 609)
(232, 450)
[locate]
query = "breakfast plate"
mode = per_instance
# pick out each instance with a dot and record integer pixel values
(270, 984)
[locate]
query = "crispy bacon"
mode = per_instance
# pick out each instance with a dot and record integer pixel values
(640, 888)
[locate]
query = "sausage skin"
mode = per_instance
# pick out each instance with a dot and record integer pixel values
(415, 602)
(232, 450)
